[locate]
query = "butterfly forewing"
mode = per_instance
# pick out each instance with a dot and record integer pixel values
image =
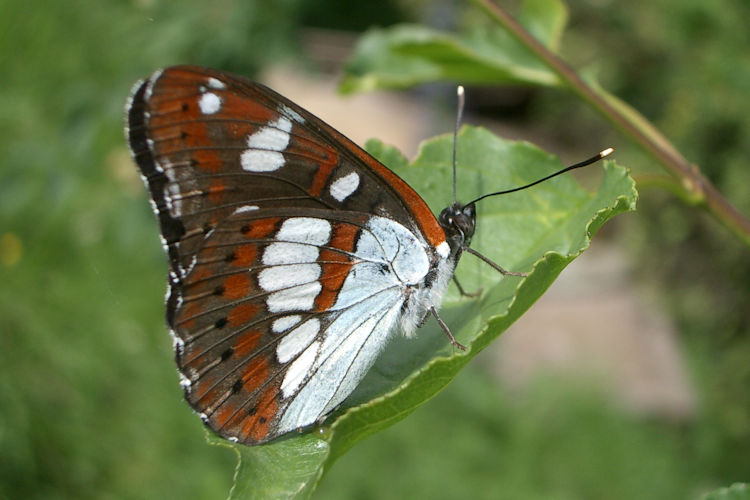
(290, 248)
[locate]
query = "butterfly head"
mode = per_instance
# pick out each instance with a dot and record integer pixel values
(458, 221)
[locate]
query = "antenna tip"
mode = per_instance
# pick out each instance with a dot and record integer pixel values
(606, 152)
(460, 90)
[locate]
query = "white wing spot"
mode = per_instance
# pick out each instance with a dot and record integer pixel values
(286, 110)
(276, 278)
(209, 103)
(245, 208)
(344, 186)
(305, 230)
(285, 323)
(295, 284)
(297, 340)
(254, 160)
(265, 146)
(289, 253)
(298, 370)
(274, 136)
(444, 250)
(216, 84)
(298, 298)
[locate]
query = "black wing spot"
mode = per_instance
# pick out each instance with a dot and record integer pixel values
(221, 323)
(219, 290)
(237, 386)
(185, 106)
(231, 257)
(245, 229)
(227, 354)
(262, 420)
(252, 411)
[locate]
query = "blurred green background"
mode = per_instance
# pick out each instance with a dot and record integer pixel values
(89, 400)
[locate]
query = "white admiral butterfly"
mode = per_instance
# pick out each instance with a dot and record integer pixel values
(293, 254)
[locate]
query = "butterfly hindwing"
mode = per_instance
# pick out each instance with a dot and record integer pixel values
(300, 312)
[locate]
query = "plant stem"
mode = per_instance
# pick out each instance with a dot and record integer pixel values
(631, 123)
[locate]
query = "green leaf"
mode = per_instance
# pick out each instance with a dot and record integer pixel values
(288, 468)
(540, 230)
(546, 20)
(406, 55)
(738, 491)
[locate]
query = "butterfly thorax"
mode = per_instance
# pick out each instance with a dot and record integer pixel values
(458, 222)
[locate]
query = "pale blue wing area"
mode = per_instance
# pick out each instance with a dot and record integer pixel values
(334, 365)
(390, 263)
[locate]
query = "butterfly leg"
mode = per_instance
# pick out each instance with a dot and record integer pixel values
(447, 331)
(492, 264)
(463, 292)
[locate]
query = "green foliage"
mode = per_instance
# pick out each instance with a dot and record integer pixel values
(684, 64)
(553, 440)
(543, 230)
(738, 491)
(407, 55)
(545, 19)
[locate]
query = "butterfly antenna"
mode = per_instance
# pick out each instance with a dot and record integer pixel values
(459, 115)
(584, 163)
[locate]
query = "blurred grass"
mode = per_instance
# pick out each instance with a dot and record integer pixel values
(90, 405)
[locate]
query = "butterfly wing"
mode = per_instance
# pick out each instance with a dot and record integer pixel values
(291, 249)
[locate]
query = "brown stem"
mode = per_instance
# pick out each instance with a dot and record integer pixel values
(643, 133)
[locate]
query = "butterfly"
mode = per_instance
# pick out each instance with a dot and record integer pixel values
(294, 255)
